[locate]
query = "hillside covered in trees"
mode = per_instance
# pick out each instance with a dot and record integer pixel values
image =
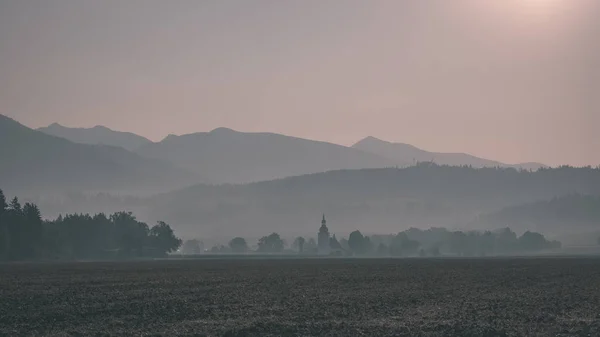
(378, 200)
(571, 211)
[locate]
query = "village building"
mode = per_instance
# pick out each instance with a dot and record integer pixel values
(323, 247)
(328, 245)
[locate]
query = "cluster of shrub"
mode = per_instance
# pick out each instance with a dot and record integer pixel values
(412, 242)
(24, 235)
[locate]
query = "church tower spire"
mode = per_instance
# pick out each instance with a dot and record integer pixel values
(323, 238)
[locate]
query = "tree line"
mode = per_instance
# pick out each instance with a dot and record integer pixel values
(441, 241)
(272, 243)
(25, 235)
(412, 242)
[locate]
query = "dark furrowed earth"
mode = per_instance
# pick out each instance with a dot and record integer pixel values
(304, 297)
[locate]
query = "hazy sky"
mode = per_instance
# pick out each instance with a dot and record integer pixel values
(511, 80)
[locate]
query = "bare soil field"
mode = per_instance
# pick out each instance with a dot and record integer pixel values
(303, 297)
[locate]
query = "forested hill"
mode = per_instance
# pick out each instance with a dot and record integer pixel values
(34, 161)
(573, 210)
(375, 200)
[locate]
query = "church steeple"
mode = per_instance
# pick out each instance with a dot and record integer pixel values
(324, 228)
(323, 238)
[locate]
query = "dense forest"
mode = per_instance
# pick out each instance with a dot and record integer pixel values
(24, 235)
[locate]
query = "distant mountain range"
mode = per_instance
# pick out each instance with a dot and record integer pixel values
(34, 161)
(98, 135)
(405, 153)
(227, 156)
(374, 185)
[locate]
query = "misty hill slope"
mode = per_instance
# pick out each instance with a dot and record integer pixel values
(575, 210)
(407, 153)
(34, 161)
(372, 200)
(98, 135)
(227, 156)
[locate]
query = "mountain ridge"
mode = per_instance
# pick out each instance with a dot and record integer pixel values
(97, 135)
(408, 152)
(35, 161)
(224, 155)
(229, 156)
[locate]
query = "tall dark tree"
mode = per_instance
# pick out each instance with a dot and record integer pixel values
(299, 244)
(359, 244)
(382, 250)
(103, 234)
(334, 243)
(238, 245)
(192, 247)
(162, 239)
(535, 242)
(14, 220)
(4, 231)
(402, 245)
(487, 244)
(15, 205)
(271, 244)
(3, 204)
(310, 245)
(131, 234)
(506, 241)
(32, 229)
(74, 236)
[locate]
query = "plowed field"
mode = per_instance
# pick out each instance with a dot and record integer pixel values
(304, 297)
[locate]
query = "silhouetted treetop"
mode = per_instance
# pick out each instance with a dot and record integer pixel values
(238, 245)
(271, 244)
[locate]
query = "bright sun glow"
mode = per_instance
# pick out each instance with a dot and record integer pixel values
(538, 8)
(533, 14)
